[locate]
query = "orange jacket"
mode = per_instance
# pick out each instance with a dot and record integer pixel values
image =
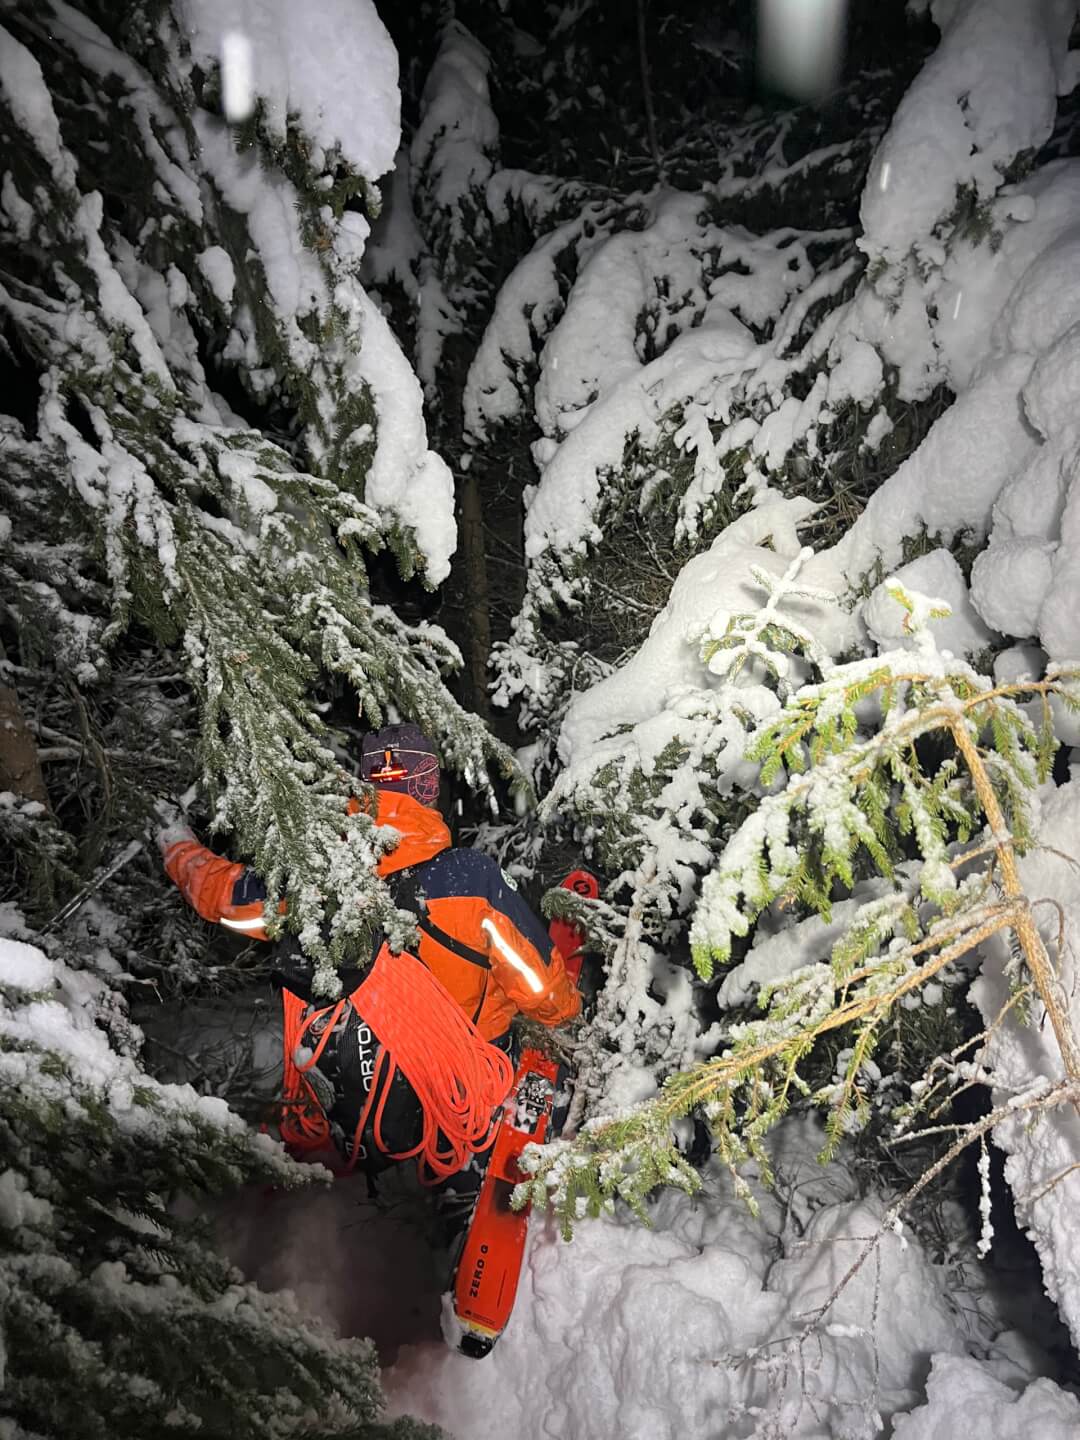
(476, 934)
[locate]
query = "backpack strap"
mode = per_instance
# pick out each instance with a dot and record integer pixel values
(405, 888)
(406, 892)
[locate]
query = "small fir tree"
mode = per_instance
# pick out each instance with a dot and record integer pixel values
(910, 766)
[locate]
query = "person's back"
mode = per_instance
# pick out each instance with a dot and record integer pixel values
(476, 935)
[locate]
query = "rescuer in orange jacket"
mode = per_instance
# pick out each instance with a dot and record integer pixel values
(476, 933)
(477, 936)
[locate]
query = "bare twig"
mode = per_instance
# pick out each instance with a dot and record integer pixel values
(1064, 1092)
(1050, 1184)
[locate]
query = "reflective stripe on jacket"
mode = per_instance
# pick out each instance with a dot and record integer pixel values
(504, 960)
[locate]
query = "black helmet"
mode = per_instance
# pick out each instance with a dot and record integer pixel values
(402, 758)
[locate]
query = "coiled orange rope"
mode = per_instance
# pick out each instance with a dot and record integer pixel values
(303, 1125)
(459, 1078)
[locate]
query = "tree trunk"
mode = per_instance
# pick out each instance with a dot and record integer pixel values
(20, 770)
(477, 616)
(646, 89)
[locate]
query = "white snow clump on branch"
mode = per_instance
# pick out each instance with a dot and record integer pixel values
(48, 1009)
(987, 95)
(332, 64)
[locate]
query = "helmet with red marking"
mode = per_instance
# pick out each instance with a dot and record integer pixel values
(401, 758)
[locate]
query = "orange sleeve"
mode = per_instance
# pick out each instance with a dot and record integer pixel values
(540, 989)
(212, 886)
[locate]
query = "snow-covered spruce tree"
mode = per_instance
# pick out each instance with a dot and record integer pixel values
(117, 1318)
(647, 338)
(184, 572)
(684, 772)
(105, 727)
(797, 402)
(431, 264)
(157, 255)
(909, 767)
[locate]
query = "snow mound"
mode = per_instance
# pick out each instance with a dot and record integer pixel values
(24, 967)
(962, 1399)
(717, 580)
(1010, 581)
(685, 1329)
(937, 575)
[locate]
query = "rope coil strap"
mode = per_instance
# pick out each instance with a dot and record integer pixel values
(458, 1078)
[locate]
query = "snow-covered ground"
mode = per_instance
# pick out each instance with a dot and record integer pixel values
(704, 1325)
(709, 1323)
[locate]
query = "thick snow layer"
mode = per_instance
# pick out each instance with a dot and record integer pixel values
(949, 485)
(333, 65)
(1009, 583)
(458, 131)
(27, 97)
(19, 1205)
(406, 479)
(407, 482)
(988, 94)
(658, 322)
(1040, 1151)
(1001, 462)
(561, 513)
(1061, 605)
(218, 272)
(685, 1329)
(719, 579)
(527, 301)
(24, 967)
(963, 1399)
(934, 193)
(268, 202)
